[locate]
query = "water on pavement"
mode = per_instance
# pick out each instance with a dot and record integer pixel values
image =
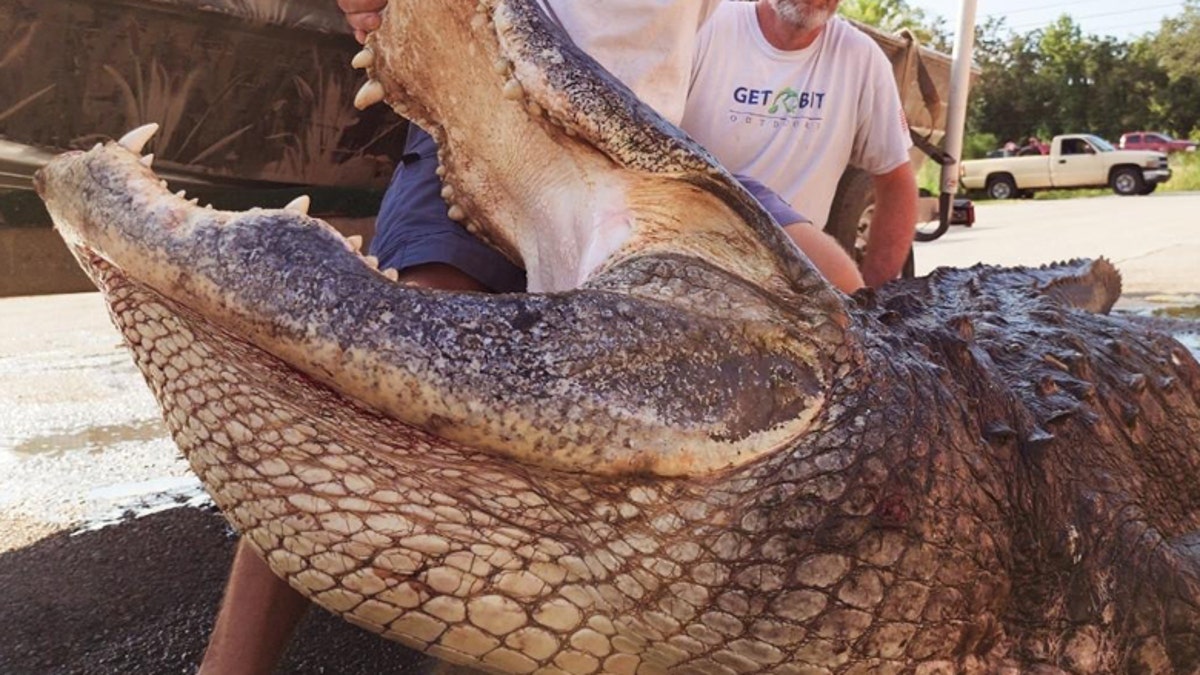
(81, 437)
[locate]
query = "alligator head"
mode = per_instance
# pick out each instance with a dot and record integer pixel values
(685, 452)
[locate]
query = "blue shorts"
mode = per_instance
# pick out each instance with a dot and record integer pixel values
(413, 228)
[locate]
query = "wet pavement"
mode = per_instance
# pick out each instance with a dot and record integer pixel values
(81, 438)
(112, 559)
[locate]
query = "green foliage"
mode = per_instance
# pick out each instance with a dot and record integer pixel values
(929, 176)
(896, 15)
(1058, 79)
(1185, 177)
(979, 144)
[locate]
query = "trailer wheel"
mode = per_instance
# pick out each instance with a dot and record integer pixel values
(850, 216)
(1128, 181)
(852, 210)
(1001, 187)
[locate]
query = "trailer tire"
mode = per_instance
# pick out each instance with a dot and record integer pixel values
(850, 217)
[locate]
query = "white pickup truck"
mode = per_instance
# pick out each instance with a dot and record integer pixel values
(1075, 161)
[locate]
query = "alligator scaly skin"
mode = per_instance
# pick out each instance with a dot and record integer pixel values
(696, 457)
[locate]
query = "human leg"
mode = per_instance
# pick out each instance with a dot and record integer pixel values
(258, 614)
(414, 234)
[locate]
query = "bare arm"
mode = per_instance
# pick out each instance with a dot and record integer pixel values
(362, 15)
(892, 226)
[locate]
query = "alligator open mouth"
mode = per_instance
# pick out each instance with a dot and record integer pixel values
(684, 451)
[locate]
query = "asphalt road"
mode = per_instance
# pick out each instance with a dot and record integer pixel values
(81, 444)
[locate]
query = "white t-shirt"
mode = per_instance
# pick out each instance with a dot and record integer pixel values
(794, 119)
(647, 44)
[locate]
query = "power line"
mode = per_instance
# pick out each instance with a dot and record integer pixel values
(1042, 7)
(1140, 24)
(1077, 19)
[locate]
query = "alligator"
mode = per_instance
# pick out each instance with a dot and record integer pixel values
(682, 450)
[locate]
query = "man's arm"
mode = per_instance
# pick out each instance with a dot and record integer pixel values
(892, 226)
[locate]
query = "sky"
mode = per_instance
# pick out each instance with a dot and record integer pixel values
(1119, 18)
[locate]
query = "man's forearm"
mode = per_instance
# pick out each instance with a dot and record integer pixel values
(892, 226)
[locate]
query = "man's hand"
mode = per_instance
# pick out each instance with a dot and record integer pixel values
(892, 228)
(362, 15)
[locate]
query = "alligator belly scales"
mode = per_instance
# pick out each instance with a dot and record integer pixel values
(682, 451)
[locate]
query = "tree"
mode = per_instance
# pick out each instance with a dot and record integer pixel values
(1177, 50)
(1011, 99)
(896, 15)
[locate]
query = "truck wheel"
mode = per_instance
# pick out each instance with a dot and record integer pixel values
(1149, 189)
(1001, 187)
(850, 215)
(1128, 181)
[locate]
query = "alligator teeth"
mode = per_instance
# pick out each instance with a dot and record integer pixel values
(513, 90)
(479, 21)
(194, 201)
(371, 261)
(148, 160)
(370, 94)
(447, 192)
(391, 274)
(440, 171)
(135, 140)
(502, 66)
(355, 242)
(456, 213)
(299, 205)
(363, 59)
(182, 194)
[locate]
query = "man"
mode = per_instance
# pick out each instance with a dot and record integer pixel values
(787, 93)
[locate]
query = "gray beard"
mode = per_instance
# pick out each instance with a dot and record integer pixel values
(798, 14)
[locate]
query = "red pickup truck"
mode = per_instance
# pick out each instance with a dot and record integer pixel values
(1153, 140)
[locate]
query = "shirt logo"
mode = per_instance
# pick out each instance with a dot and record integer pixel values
(784, 108)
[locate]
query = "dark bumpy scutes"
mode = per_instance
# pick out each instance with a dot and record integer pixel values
(1093, 422)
